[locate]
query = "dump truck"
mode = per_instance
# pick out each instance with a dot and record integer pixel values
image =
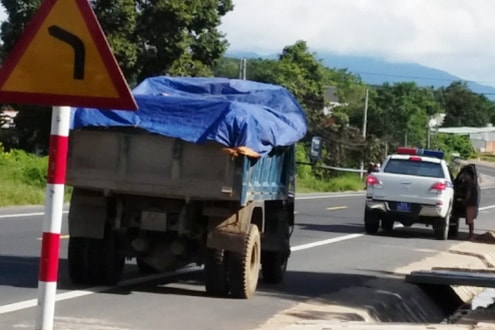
(202, 173)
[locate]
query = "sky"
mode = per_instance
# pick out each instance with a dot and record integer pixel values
(457, 36)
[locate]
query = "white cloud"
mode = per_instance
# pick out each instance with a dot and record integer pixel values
(3, 14)
(457, 36)
(451, 35)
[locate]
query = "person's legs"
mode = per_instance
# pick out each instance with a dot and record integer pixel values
(470, 216)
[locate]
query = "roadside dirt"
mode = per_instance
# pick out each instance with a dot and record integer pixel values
(392, 299)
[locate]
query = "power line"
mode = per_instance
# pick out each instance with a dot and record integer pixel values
(412, 78)
(406, 76)
(422, 77)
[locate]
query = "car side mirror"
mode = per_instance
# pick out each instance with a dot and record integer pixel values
(316, 148)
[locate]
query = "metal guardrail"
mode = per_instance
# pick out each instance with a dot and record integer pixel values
(342, 169)
(334, 168)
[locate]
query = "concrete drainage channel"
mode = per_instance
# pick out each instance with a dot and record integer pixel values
(482, 315)
(393, 303)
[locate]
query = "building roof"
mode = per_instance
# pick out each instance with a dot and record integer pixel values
(466, 130)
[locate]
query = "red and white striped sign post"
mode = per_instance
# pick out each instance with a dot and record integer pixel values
(52, 64)
(52, 224)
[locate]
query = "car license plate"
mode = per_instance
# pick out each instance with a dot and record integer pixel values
(403, 207)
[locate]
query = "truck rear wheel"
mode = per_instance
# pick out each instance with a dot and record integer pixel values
(95, 261)
(77, 260)
(144, 267)
(216, 273)
(273, 266)
(244, 267)
(106, 260)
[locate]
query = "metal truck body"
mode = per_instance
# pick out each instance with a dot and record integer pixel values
(203, 172)
(169, 203)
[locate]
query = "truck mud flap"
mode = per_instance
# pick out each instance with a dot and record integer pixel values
(229, 232)
(233, 242)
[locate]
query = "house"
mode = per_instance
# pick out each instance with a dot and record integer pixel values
(331, 98)
(7, 117)
(482, 138)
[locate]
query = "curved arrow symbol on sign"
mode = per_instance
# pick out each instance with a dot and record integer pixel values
(78, 46)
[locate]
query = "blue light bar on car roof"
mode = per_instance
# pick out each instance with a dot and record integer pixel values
(433, 153)
(420, 152)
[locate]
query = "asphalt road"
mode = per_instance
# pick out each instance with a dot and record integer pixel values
(330, 252)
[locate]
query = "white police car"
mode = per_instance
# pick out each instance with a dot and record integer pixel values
(412, 186)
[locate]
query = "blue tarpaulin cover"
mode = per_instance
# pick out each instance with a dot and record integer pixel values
(235, 113)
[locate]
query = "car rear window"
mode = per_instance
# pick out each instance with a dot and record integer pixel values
(418, 168)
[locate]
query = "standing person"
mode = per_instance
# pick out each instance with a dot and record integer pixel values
(470, 189)
(371, 167)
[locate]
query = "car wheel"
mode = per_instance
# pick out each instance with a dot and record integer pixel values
(454, 227)
(371, 222)
(387, 225)
(441, 227)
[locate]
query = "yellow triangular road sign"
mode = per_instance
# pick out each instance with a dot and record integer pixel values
(63, 59)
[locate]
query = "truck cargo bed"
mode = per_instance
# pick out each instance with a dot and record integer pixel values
(136, 162)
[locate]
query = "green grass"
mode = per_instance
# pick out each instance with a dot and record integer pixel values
(344, 182)
(23, 178)
(486, 157)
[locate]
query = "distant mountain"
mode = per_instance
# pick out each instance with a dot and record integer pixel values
(375, 71)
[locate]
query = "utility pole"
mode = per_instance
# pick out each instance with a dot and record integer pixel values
(365, 121)
(365, 124)
(428, 137)
(243, 69)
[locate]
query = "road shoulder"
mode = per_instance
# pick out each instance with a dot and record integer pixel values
(391, 303)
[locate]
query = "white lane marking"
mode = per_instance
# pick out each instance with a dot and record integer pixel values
(81, 293)
(21, 215)
(325, 242)
(329, 196)
(336, 208)
(6, 216)
(61, 237)
(34, 214)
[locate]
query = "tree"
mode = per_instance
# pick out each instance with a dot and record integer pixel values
(177, 34)
(455, 143)
(19, 13)
(148, 38)
(464, 107)
(118, 18)
(399, 113)
(296, 69)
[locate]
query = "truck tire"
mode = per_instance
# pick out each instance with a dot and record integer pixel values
(106, 262)
(77, 260)
(454, 227)
(145, 268)
(371, 222)
(244, 267)
(273, 266)
(216, 273)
